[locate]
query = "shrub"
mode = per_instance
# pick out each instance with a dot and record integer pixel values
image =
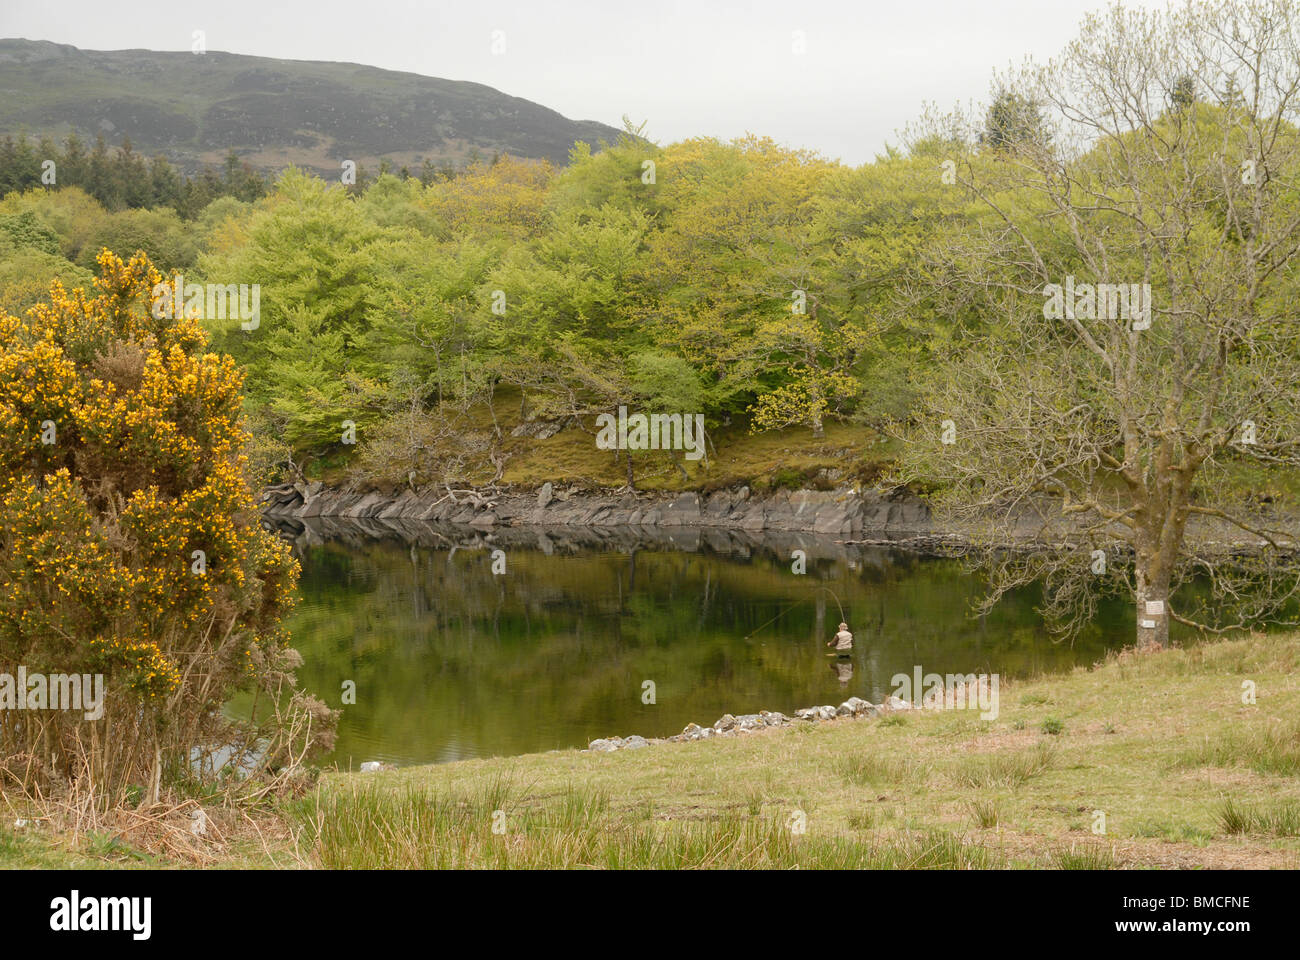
(130, 546)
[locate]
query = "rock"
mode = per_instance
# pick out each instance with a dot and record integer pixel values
(843, 511)
(372, 766)
(858, 706)
(838, 518)
(538, 429)
(717, 506)
(897, 703)
(399, 507)
(815, 713)
(682, 511)
(730, 726)
(367, 506)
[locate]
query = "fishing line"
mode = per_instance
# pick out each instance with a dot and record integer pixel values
(795, 604)
(778, 616)
(837, 602)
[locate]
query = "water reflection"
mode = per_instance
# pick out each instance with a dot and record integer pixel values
(599, 633)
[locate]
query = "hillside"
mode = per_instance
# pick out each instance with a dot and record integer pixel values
(195, 109)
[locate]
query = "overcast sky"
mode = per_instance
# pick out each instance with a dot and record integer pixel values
(688, 68)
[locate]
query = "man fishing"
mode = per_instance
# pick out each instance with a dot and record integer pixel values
(843, 641)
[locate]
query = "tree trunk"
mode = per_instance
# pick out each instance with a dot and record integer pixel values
(1152, 607)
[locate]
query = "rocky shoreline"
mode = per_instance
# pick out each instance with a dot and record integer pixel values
(841, 512)
(844, 515)
(729, 726)
(854, 708)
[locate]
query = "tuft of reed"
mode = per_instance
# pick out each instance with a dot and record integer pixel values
(985, 813)
(365, 826)
(1087, 857)
(1003, 769)
(1279, 820)
(1270, 750)
(874, 769)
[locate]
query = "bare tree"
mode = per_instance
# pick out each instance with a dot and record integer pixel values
(1122, 347)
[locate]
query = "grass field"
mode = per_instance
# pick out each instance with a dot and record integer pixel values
(1184, 773)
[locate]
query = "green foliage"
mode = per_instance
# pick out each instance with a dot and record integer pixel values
(1013, 119)
(26, 274)
(165, 239)
(737, 280)
(25, 230)
(121, 178)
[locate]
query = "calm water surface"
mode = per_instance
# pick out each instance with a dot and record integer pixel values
(451, 661)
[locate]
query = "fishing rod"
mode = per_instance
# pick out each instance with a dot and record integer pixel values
(795, 604)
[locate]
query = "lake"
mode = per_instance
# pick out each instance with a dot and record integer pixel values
(452, 661)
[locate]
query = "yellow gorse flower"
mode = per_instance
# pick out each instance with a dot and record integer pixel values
(121, 460)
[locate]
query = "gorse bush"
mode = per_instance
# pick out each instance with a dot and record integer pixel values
(130, 546)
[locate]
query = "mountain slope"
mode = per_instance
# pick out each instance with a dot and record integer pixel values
(195, 108)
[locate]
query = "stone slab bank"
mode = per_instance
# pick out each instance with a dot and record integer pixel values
(841, 512)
